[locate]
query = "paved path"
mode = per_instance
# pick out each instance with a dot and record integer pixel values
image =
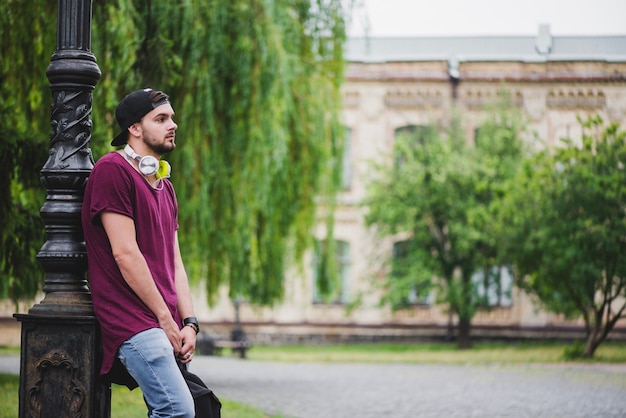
(311, 390)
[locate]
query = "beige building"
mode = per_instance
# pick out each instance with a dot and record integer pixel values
(395, 83)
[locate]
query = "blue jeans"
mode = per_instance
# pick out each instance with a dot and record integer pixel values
(149, 358)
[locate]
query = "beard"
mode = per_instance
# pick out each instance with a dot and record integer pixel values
(159, 147)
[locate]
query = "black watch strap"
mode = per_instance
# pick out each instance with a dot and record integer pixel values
(192, 321)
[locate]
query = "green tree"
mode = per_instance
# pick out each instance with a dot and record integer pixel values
(267, 140)
(567, 236)
(256, 86)
(440, 191)
(24, 111)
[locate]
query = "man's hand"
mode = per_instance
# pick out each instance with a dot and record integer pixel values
(188, 337)
(172, 332)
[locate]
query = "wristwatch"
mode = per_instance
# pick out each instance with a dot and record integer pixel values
(192, 321)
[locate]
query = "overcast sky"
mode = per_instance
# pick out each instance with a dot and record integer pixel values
(489, 17)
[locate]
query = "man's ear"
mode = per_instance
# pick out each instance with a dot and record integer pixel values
(134, 130)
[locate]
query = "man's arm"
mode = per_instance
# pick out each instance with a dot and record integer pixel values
(120, 230)
(184, 304)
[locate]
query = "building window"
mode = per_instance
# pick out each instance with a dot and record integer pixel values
(409, 289)
(346, 174)
(477, 134)
(338, 281)
(494, 286)
(417, 135)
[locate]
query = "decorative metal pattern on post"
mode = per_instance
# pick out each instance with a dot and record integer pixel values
(73, 73)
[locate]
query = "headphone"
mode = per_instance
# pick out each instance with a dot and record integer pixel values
(149, 165)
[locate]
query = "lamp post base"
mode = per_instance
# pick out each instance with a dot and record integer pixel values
(59, 374)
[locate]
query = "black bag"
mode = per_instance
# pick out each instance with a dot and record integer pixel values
(207, 404)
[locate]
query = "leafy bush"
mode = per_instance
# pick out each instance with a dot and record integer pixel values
(575, 351)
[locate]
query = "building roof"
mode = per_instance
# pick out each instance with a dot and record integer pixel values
(543, 47)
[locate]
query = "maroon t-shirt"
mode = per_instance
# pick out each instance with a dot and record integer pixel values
(115, 186)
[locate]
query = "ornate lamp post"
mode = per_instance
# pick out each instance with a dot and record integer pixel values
(237, 334)
(59, 370)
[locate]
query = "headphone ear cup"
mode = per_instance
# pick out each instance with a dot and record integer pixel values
(164, 170)
(148, 165)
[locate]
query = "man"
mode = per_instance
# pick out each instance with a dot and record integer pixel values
(138, 283)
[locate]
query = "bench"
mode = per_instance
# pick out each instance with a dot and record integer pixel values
(213, 347)
(239, 347)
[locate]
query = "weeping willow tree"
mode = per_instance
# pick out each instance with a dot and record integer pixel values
(24, 112)
(256, 87)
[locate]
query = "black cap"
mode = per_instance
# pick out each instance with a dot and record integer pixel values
(133, 107)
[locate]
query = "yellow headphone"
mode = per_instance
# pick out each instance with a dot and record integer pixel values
(149, 165)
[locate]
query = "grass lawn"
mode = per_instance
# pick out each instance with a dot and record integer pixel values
(480, 353)
(124, 403)
(129, 404)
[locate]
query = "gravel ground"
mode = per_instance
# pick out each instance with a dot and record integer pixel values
(347, 390)
(309, 390)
